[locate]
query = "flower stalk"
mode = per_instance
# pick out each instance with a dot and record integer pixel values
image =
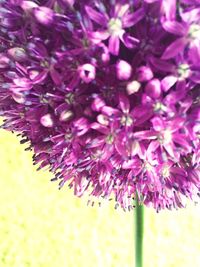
(139, 233)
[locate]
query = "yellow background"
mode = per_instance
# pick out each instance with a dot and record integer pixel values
(41, 226)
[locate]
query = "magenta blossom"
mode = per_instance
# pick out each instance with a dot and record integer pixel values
(113, 26)
(106, 94)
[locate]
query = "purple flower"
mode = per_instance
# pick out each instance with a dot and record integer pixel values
(113, 25)
(106, 94)
(188, 32)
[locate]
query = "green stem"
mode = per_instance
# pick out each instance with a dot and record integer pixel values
(139, 221)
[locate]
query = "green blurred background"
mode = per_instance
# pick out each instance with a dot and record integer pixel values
(41, 226)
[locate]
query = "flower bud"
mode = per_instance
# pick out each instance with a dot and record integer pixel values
(153, 88)
(123, 70)
(144, 74)
(17, 53)
(28, 5)
(19, 98)
(98, 103)
(133, 87)
(47, 120)
(66, 115)
(44, 15)
(66, 2)
(4, 61)
(105, 57)
(103, 119)
(87, 72)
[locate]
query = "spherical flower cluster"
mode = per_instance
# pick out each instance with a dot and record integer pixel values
(107, 94)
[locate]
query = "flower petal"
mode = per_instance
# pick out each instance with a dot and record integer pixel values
(168, 82)
(133, 18)
(169, 147)
(129, 41)
(132, 163)
(96, 16)
(175, 27)
(98, 36)
(180, 139)
(162, 65)
(158, 124)
(174, 48)
(124, 103)
(100, 128)
(114, 45)
(195, 77)
(148, 134)
(55, 76)
(109, 111)
(169, 9)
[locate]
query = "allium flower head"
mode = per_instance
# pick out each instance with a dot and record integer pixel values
(106, 94)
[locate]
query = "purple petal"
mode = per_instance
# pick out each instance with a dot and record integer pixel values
(135, 148)
(129, 41)
(26, 5)
(66, 2)
(140, 114)
(176, 124)
(104, 176)
(107, 152)
(121, 144)
(44, 15)
(150, 1)
(181, 88)
(179, 171)
(169, 147)
(168, 82)
(124, 103)
(98, 103)
(114, 45)
(96, 142)
(39, 78)
(174, 48)
(4, 61)
(103, 119)
(169, 9)
(158, 124)
(62, 107)
(191, 16)
(19, 98)
(153, 146)
(175, 27)
(100, 128)
(55, 76)
(194, 53)
(133, 18)
(180, 139)
(135, 171)
(81, 125)
(98, 36)
(121, 10)
(96, 16)
(22, 82)
(132, 163)
(109, 111)
(162, 65)
(195, 77)
(149, 134)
